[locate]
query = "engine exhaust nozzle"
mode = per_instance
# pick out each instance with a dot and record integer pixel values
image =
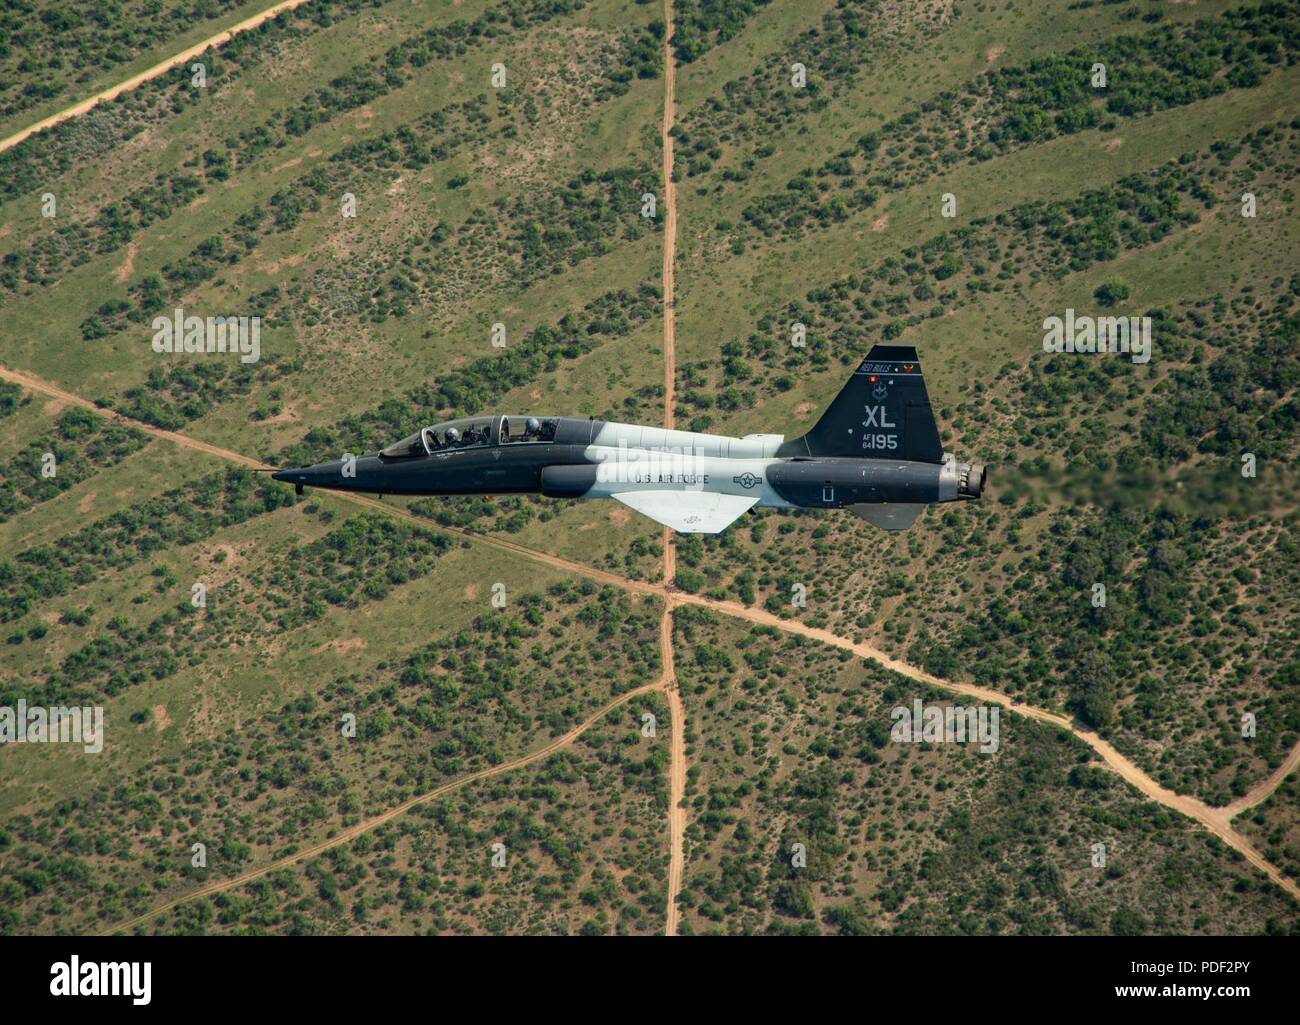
(970, 479)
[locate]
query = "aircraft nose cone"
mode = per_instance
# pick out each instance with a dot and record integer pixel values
(320, 475)
(361, 473)
(298, 475)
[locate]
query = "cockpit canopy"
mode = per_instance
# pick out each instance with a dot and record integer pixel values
(516, 429)
(473, 432)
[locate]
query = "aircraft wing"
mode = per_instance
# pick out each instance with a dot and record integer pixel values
(688, 512)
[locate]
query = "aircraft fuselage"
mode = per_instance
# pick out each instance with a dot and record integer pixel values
(651, 469)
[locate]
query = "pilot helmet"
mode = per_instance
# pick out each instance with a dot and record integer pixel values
(532, 426)
(453, 435)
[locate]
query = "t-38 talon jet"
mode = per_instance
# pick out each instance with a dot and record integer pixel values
(875, 451)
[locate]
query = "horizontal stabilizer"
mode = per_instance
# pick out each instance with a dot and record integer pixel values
(888, 515)
(689, 512)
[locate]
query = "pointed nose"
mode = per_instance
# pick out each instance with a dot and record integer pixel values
(322, 475)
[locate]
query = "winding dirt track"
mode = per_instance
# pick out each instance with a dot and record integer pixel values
(33, 383)
(1217, 820)
(1264, 788)
(590, 572)
(353, 832)
(112, 92)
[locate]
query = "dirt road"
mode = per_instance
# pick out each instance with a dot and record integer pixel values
(1260, 791)
(36, 384)
(1216, 820)
(33, 383)
(676, 781)
(670, 223)
(677, 742)
(351, 833)
(158, 69)
(546, 559)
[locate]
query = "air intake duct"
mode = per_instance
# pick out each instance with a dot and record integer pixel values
(568, 481)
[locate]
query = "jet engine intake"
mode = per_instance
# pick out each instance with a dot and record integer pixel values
(565, 481)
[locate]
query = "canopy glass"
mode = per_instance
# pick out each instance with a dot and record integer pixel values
(473, 432)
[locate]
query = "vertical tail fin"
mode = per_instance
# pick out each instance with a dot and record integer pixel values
(882, 413)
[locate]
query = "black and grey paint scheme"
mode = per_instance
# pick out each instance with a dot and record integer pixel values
(875, 451)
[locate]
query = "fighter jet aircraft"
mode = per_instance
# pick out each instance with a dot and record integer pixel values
(875, 451)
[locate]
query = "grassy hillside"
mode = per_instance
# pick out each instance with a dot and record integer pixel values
(383, 182)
